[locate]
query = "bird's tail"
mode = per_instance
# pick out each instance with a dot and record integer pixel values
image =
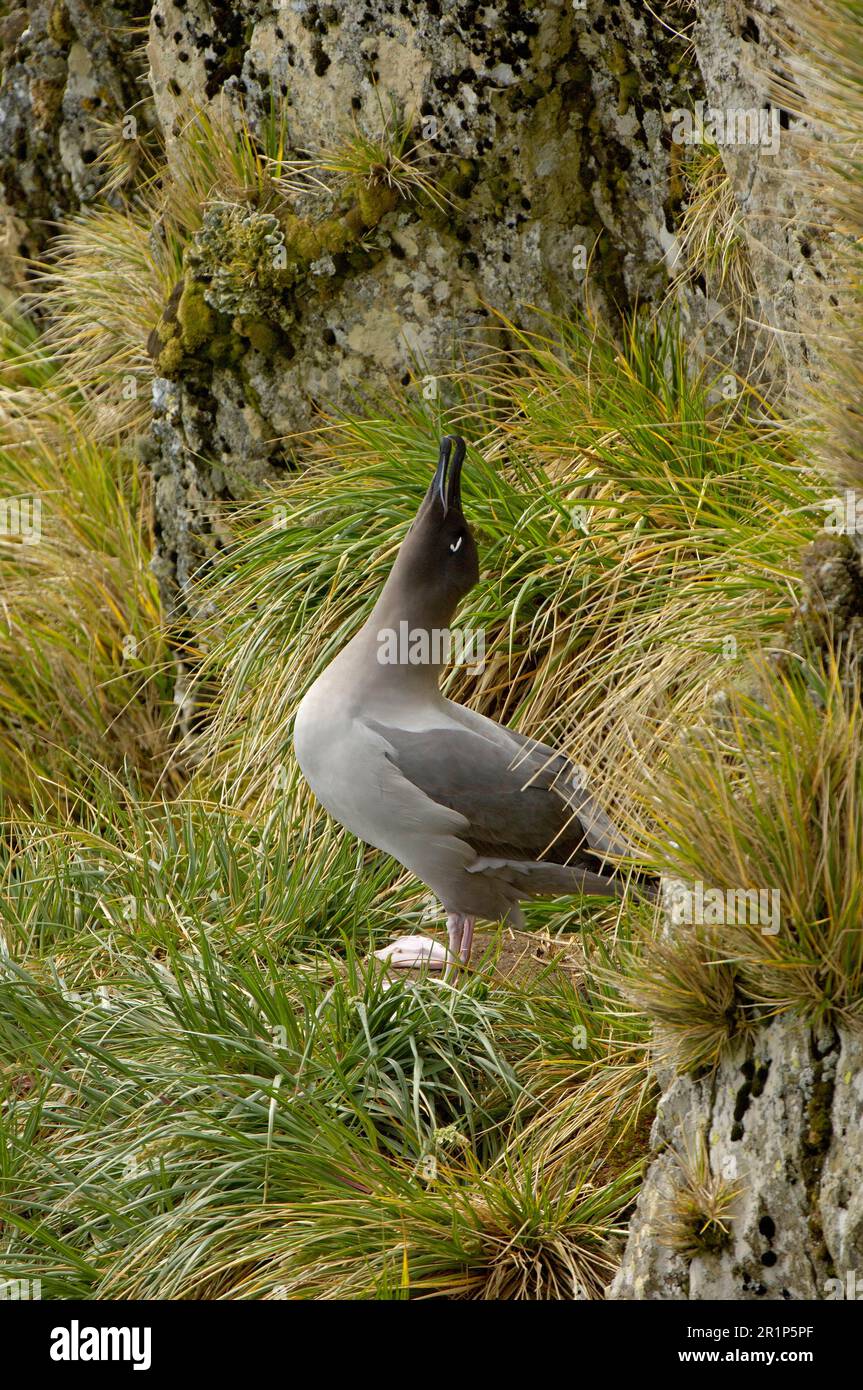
(543, 878)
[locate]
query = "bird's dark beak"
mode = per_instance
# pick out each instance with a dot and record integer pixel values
(446, 485)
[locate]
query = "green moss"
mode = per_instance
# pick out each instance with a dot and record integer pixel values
(60, 26)
(306, 241)
(627, 89)
(374, 202)
(190, 328)
(261, 334)
(301, 239)
(627, 79)
(820, 1116)
(197, 321)
(224, 349)
(618, 58)
(170, 358)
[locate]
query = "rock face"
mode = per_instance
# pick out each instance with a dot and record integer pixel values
(67, 65)
(544, 127)
(744, 68)
(780, 1125)
(548, 131)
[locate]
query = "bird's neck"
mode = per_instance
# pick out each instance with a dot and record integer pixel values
(408, 639)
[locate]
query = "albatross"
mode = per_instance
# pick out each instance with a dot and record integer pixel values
(484, 816)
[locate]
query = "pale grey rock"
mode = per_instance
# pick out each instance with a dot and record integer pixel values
(788, 243)
(65, 66)
(781, 1122)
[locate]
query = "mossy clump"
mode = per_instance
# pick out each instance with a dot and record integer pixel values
(374, 201)
(262, 336)
(243, 270)
(197, 322)
(191, 331)
(59, 25)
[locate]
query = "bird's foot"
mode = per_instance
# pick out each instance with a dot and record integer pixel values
(414, 952)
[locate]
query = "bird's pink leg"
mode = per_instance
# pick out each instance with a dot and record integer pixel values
(467, 939)
(455, 925)
(460, 933)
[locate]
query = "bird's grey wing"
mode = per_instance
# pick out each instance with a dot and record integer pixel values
(535, 760)
(570, 782)
(511, 805)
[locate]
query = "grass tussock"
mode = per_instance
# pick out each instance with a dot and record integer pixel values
(699, 1206)
(393, 157)
(711, 233)
(692, 990)
(210, 1090)
(763, 807)
(83, 658)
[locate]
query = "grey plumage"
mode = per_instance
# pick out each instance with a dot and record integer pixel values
(483, 815)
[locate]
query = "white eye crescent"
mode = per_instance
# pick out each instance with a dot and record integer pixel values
(456, 545)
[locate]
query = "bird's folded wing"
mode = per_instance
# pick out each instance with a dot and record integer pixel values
(570, 782)
(516, 803)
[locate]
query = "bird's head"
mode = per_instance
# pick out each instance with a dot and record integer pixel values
(438, 562)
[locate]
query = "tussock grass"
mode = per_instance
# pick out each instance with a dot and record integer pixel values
(83, 678)
(31, 402)
(711, 234)
(391, 157)
(217, 159)
(201, 1099)
(767, 796)
(130, 150)
(700, 1205)
(693, 992)
(103, 290)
